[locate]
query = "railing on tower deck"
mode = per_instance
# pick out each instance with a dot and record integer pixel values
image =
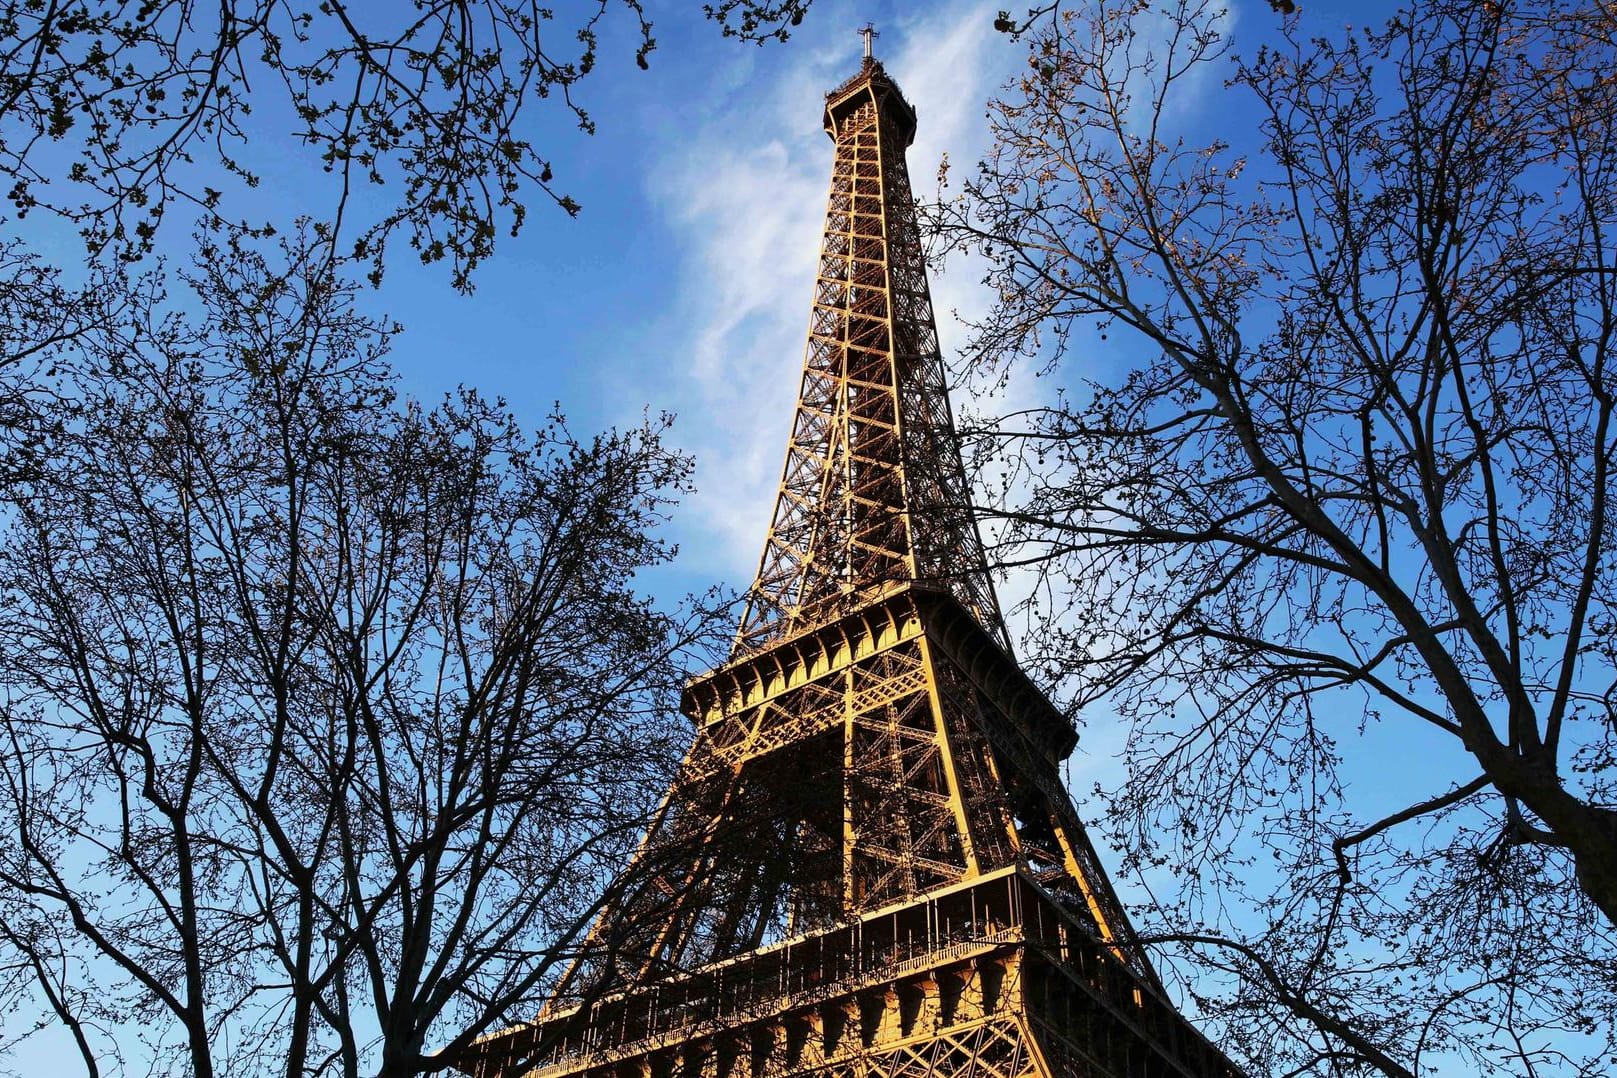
(1086, 992)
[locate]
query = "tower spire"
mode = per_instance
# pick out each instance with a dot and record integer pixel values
(868, 31)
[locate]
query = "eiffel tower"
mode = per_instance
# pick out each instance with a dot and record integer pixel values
(867, 865)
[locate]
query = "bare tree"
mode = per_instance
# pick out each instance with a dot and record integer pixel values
(114, 115)
(327, 719)
(1337, 545)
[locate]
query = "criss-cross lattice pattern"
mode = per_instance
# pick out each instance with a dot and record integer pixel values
(878, 759)
(873, 492)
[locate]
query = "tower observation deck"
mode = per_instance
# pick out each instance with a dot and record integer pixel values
(867, 864)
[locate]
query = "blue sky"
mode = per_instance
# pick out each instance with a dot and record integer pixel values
(684, 285)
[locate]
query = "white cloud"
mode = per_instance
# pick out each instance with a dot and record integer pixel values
(752, 218)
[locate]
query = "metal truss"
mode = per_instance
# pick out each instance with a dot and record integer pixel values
(873, 491)
(891, 753)
(867, 865)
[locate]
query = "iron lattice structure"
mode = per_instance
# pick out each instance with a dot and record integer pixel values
(867, 864)
(873, 494)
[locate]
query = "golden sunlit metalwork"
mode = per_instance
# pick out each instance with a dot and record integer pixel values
(867, 864)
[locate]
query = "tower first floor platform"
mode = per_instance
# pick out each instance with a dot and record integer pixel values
(994, 978)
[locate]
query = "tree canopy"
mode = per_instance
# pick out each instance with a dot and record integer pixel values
(328, 718)
(1337, 542)
(118, 115)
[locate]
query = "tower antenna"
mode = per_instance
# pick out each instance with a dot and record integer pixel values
(869, 31)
